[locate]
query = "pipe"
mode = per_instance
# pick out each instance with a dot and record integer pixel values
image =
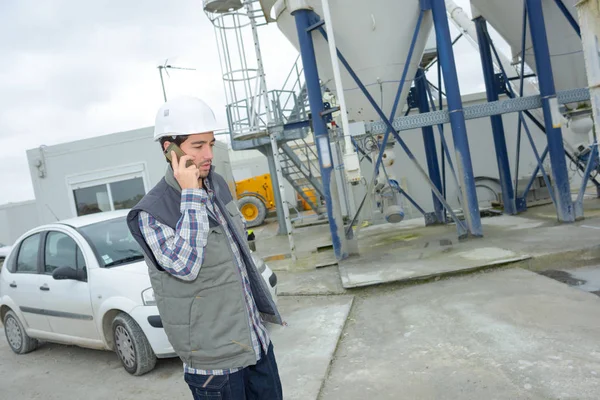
(337, 76)
(589, 22)
(273, 140)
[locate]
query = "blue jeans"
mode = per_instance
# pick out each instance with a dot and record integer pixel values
(256, 382)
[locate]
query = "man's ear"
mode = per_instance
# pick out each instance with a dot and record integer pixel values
(166, 145)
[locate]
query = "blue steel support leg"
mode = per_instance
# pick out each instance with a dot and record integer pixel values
(508, 195)
(429, 142)
(564, 203)
(457, 118)
(313, 86)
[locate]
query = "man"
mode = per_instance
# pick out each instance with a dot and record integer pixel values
(211, 298)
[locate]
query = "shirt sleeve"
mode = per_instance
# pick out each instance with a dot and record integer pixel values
(180, 252)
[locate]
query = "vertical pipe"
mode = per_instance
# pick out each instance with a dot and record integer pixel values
(589, 20)
(508, 195)
(162, 82)
(429, 143)
(267, 151)
(313, 86)
(278, 182)
(564, 203)
(457, 118)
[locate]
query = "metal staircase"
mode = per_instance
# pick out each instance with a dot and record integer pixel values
(288, 108)
(302, 171)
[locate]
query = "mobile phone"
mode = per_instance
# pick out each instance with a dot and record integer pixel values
(178, 152)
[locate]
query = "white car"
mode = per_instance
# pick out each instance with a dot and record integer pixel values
(84, 282)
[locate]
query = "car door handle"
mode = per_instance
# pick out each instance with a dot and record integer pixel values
(13, 284)
(44, 288)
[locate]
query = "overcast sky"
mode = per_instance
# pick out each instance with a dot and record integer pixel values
(77, 69)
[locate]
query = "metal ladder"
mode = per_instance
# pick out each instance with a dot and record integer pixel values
(256, 13)
(298, 158)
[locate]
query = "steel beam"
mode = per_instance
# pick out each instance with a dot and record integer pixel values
(429, 142)
(313, 86)
(487, 63)
(564, 203)
(266, 150)
(457, 118)
(477, 111)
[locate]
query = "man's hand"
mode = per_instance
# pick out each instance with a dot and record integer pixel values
(187, 177)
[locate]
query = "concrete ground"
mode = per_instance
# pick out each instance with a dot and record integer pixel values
(509, 334)
(444, 319)
(304, 349)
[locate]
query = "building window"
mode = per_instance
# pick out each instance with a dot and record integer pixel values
(110, 196)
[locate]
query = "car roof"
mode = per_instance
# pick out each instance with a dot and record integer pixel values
(85, 220)
(5, 250)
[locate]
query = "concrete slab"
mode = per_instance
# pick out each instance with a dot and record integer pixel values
(509, 334)
(401, 265)
(323, 281)
(303, 349)
(305, 360)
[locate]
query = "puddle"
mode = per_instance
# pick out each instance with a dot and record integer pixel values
(586, 279)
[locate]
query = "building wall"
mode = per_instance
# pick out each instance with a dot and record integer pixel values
(58, 170)
(16, 219)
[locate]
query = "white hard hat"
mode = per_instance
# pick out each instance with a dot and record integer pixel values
(184, 116)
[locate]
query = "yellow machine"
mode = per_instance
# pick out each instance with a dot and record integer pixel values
(256, 198)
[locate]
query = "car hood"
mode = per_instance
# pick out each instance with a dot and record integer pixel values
(139, 268)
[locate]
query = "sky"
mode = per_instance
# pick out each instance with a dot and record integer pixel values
(77, 69)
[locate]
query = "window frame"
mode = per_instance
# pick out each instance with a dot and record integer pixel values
(106, 177)
(15, 263)
(78, 248)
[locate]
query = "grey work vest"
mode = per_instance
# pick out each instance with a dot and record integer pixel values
(206, 319)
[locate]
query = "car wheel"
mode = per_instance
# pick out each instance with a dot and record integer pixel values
(18, 340)
(253, 210)
(132, 346)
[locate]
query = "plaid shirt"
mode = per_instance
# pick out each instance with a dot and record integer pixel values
(181, 253)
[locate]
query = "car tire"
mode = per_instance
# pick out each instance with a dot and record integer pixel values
(132, 346)
(18, 340)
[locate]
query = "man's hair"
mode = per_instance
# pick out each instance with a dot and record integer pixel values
(172, 139)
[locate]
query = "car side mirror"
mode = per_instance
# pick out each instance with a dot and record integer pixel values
(63, 273)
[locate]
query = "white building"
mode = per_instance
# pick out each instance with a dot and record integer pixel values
(104, 173)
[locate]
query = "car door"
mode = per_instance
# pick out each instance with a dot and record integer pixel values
(24, 283)
(67, 302)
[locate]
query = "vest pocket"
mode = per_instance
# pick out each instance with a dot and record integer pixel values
(236, 216)
(218, 322)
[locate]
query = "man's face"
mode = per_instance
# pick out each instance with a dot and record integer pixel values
(200, 148)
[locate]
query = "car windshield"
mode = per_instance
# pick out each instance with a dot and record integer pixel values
(112, 242)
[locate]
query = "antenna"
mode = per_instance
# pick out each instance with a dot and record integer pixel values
(166, 66)
(52, 212)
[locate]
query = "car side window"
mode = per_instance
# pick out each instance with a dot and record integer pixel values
(61, 251)
(27, 259)
(1, 262)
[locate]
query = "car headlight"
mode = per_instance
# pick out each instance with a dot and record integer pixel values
(148, 297)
